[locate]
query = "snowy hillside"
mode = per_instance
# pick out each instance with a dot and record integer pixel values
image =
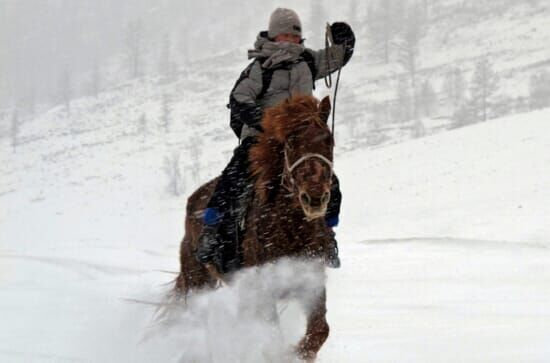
(433, 76)
(449, 254)
(378, 102)
(462, 183)
(444, 242)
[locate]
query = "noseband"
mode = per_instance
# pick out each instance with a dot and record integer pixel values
(287, 180)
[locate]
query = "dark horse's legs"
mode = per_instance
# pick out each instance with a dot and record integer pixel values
(317, 330)
(234, 178)
(331, 218)
(220, 229)
(333, 208)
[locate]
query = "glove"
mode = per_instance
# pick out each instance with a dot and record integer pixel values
(342, 34)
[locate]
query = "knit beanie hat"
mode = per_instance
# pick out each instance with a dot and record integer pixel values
(284, 21)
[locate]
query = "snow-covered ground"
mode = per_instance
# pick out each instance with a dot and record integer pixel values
(444, 242)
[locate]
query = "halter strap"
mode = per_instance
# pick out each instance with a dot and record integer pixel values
(290, 168)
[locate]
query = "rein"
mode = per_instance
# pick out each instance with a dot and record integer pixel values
(328, 78)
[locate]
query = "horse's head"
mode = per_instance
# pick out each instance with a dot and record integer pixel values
(308, 163)
(295, 150)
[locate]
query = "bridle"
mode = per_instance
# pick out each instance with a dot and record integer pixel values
(287, 179)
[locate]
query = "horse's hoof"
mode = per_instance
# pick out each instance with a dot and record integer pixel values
(305, 355)
(215, 274)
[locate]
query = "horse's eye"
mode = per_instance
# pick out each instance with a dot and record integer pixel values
(290, 141)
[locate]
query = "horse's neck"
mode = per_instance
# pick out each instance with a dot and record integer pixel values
(289, 221)
(277, 228)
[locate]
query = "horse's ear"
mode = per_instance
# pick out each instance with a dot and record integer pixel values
(324, 108)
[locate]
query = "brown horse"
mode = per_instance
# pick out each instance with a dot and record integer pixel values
(292, 168)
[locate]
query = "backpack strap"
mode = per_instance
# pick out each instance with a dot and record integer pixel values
(235, 118)
(267, 76)
(244, 74)
(308, 58)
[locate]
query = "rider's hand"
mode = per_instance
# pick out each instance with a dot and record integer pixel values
(342, 34)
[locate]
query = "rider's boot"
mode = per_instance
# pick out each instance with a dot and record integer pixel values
(208, 239)
(331, 259)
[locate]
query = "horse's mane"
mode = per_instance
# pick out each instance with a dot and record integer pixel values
(278, 123)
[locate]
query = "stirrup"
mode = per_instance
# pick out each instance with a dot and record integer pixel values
(208, 244)
(332, 260)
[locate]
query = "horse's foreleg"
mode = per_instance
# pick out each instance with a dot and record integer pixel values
(317, 331)
(215, 275)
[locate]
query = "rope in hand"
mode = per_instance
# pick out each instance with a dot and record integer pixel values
(328, 78)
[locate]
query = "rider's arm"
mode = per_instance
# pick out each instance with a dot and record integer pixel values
(336, 56)
(245, 94)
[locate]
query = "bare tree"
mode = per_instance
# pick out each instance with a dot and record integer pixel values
(539, 90)
(172, 170)
(31, 99)
(182, 44)
(522, 104)
(14, 130)
(427, 100)
(409, 51)
(195, 152)
(27, 99)
(484, 85)
(381, 113)
(166, 116)
(142, 125)
(402, 109)
(66, 89)
(5, 63)
(464, 115)
(166, 65)
(382, 26)
(454, 87)
(95, 78)
(133, 39)
(418, 129)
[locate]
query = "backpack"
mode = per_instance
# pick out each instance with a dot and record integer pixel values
(267, 74)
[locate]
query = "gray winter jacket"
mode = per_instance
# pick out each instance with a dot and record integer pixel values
(291, 76)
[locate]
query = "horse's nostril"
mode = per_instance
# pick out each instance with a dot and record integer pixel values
(325, 198)
(305, 198)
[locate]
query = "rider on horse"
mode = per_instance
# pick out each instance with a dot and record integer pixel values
(282, 67)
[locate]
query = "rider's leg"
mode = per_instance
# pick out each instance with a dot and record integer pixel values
(332, 219)
(231, 185)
